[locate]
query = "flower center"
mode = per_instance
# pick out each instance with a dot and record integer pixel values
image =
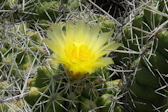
(79, 51)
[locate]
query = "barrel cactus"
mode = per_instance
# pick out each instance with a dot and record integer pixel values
(65, 56)
(147, 36)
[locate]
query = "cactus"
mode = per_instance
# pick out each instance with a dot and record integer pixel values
(31, 81)
(148, 36)
(38, 82)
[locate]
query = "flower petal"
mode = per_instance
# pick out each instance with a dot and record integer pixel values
(102, 40)
(55, 48)
(112, 46)
(80, 26)
(57, 31)
(86, 37)
(51, 44)
(55, 38)
(94, 31)
(108, 48)
(80, 47)
(102, 62)
(69, 32)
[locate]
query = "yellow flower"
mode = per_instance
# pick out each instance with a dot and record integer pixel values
(80, 48)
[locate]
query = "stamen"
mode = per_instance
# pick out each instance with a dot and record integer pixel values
(78, 45)
(79, 51)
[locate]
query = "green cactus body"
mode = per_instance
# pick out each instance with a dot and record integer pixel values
(144, 88)
(24, 60)
(146, 93)
(108, 101)
(154, 19)
(106, 24)
(3, 85)
(73, 104)
(144, 73)
(73, 4)
(4, 107)
(73, 110)
(158, 62)
(43, 76)
(113, 87)
(46, 82)
(46, 7)
(141, 105)
(90, 92)
(165, 102)
(117, 108)
(151, 70)
(162, 43)
(87, 105)
(55, 104)
(138, 22)
(34, 95)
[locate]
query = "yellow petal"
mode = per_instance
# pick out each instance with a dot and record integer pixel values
(102, 40)
(51, 36)
(102, 62)
(54, 47)
(55, 38)
(80, 26)
(80, 47)
(69, 32)
(57, 30)
(86, 35)
(94, 31)
(51, 44)
(112, 46)
(108, 48)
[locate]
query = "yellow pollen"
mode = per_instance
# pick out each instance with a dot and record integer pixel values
(78, 46)
(79, 51)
